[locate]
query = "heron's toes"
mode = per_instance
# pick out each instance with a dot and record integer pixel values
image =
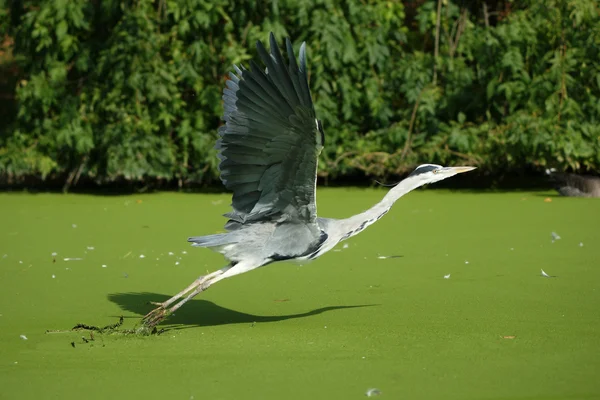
(155, 316)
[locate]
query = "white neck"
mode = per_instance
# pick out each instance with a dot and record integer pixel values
(353, 225)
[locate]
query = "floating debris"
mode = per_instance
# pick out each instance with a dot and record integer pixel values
(90, 247)
(512, 248)
(125, 275)
(20, 262)
(176, 262)
(142, 256)
(555, 236)
(23, 337)
(53, 276)
(184, 252)
(72, 259)
(171, 253)
(54, 254)
(466, 262)
(345, 246)
(580, 244)
(382, 257)
(4, 256)
(74, 225)
(547, 200)
(103, 265)
(508, 337)
(373, 392)
(545, 275)
(447, 276)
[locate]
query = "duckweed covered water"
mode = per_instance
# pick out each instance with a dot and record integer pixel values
(442, 299)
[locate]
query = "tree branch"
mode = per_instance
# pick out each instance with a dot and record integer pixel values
(462, 21)
(413, 117)
(486, 15)
(436, 51)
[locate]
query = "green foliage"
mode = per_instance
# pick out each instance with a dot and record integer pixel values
(131, 91)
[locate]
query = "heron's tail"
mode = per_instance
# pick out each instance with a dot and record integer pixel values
(217, 240)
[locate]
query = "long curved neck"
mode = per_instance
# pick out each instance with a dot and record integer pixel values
(357, 223)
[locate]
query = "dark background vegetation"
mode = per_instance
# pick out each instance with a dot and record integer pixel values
(130, 91)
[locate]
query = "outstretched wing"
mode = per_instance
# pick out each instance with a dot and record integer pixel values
(271, 139)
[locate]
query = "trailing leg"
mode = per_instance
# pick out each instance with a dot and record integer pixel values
(155, 316)
(226, 272)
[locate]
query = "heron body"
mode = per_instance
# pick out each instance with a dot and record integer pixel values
(268, 151)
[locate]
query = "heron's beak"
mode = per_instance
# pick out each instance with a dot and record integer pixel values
(460, 170)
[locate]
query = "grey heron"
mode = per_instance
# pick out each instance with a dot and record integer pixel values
(268, 150)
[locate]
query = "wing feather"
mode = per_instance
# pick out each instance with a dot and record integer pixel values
(270, 142)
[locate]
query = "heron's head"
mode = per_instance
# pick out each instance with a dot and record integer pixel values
(430, 173)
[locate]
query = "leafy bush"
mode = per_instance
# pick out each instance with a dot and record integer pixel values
(131, 91)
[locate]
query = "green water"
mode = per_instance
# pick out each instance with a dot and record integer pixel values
(331, 329)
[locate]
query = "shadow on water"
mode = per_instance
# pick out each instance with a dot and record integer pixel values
(198, 313)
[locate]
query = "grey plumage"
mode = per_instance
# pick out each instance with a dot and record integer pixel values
(268, 146)
(268, 149)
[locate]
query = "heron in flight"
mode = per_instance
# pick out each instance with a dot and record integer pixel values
(268, 151)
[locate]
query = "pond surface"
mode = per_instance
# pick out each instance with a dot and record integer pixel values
(442, 298)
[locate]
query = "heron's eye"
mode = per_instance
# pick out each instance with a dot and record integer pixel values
(435, 171)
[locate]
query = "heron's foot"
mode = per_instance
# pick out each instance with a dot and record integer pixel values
(156, 316)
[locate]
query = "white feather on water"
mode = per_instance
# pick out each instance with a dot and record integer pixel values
(373, 392)
(545, 275)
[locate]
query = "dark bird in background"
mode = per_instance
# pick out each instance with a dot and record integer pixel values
(574, 185)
